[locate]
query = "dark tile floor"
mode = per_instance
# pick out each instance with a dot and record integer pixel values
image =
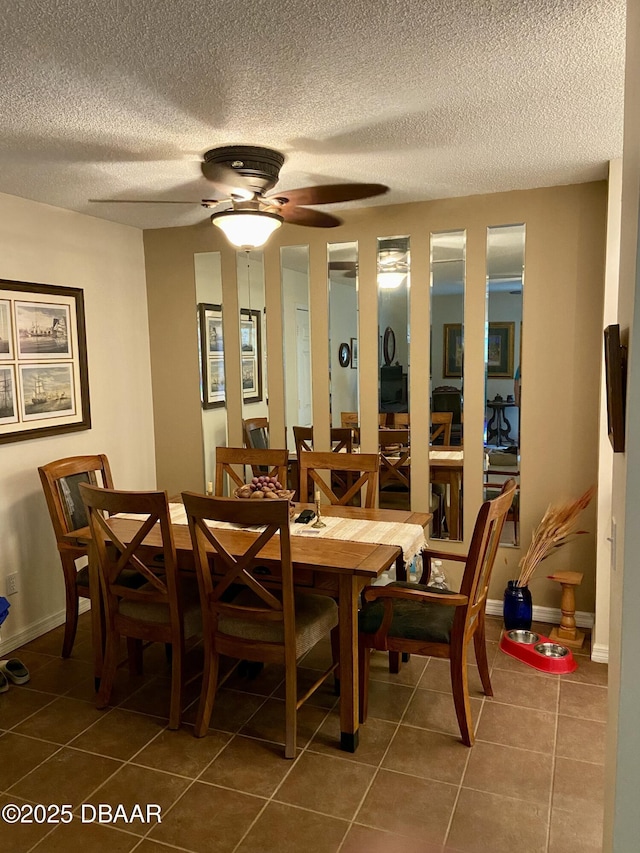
(533, 782)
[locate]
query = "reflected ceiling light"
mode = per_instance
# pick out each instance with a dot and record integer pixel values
(389, 279)
(247, 229)
(390, 257)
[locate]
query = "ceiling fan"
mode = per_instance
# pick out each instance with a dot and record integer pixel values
(243, 176)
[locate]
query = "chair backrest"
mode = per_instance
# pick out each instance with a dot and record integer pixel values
(363, 467)
(395, 456)
(341, 439)
(237, 569)
(382, 419)
(231, 461)
(60, 482)
(482, 553)
(114, 556)
(441, 427)
(255, 432)
(400, 420)
(350, 420)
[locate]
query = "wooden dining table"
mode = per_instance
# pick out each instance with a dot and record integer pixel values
(332, 567)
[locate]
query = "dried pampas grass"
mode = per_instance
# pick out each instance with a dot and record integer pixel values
(555, 530)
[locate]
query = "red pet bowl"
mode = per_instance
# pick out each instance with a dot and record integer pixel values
(538, 651)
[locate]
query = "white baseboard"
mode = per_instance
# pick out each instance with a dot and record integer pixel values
(600, 653)
(544, 614)
(37, 629)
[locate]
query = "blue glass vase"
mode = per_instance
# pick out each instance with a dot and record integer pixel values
(518, 609)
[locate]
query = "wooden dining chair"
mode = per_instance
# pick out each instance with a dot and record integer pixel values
(255, 432)
(416, 619)
(163, 610)
(363, 468)
(60, 481)
(232, 460)
(400, 420)
(350, 420)
(441, 428)
(341, 441)
(244, 617)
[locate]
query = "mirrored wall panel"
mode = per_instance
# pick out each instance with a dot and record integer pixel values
(446, 459)
(503, 366)
(393, 279)
(342, 275)
(253, 364)
(296, 324)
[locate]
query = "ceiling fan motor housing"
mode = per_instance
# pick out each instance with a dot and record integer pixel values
(259, 166)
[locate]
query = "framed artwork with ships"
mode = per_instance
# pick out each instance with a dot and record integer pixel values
(44, 384)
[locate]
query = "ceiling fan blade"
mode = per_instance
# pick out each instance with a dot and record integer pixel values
(304, 216)
(227, 180)
(145, 201)
(330, 193)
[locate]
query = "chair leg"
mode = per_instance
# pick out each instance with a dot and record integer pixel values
(460, 688)
(364, 657)
(208, 692)
(480, 648)
(71, 618)
(335, 657)
(134, 653)
(109, 667)
(175, 707)
(394, 662)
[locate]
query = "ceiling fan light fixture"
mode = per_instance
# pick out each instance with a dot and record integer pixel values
(247, 229)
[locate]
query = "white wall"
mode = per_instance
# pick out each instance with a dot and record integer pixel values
(46, 245)
(343, 308)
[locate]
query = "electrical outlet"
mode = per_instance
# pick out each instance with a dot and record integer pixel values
(12, 584)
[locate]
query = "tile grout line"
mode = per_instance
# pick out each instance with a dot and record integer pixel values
(553, 771)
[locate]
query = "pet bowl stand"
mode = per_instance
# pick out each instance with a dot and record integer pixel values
(525, 651)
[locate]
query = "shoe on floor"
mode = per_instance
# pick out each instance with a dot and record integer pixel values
(14, 670)
(4, 684)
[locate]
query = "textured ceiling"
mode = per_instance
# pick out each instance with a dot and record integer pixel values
(435, 98)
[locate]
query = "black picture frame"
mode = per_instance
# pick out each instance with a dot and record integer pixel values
(500, 344)
(344, 355)
(212, 375)
(453, 346)
(354, 353)
(44, 376)
(251, 347)
(615, 360)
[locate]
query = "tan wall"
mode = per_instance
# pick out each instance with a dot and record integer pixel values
(563, 295)
(45, 244)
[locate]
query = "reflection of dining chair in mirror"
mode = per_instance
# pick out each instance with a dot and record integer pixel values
(255, 432)
(351, 421)
(441, 427)
(395, 462)
(363, 468)
(400, 420)
(448, 398)
(413, 619)
(232, 461)
(341, 440)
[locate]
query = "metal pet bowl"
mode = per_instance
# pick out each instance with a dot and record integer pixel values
(520, 636)
(552, 650)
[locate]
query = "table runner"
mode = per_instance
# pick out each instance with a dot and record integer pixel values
(409, 537)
